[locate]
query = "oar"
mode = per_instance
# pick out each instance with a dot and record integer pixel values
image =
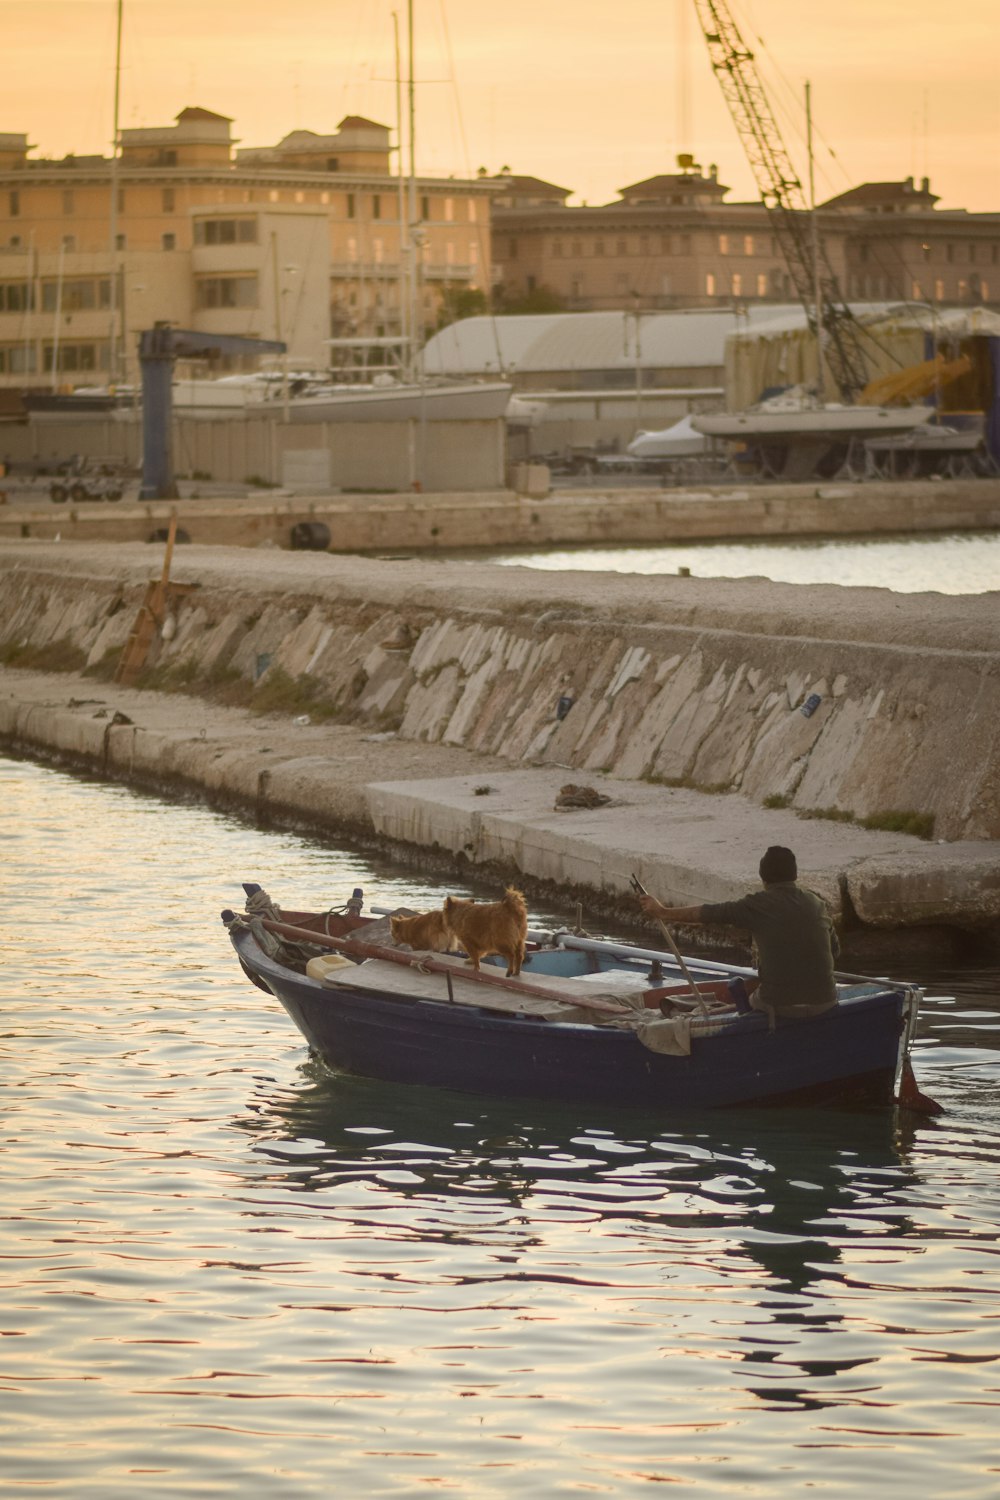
(641, 891)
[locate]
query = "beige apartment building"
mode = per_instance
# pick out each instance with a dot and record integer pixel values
(673, 241)
(312, 240)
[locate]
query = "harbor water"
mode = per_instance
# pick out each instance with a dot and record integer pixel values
(227, 1271)
(963, 562)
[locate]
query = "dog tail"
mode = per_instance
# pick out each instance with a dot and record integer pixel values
(514, 902)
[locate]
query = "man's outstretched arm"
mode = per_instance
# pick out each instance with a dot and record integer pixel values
(661, 913)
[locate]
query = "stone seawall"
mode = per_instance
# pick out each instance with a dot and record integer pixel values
(680, 682)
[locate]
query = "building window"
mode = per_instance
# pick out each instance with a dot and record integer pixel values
(300, 196)
(15, 242)
(723, 244)
(14, 203)
(762, 284)
(68, 201)
(169, 200)
(666, 244)
(473, 210)
(351, 208)
(15, 296)
(15, 359)
(512, 249)
(939, 291)
(376, 206)
(449, 253)
(473, 253)
(598, 247)
(748, 244)
(949, 253)
(576, 248)
(737, 287)
(377, 251)
(69, 242)
(621, 247)
(168, 241)
(685, 244)
(710, 283)
(352, 249)
(72, 357)
(449, 210)
(274, 196)
(121, 241)
(225, 231)
(226, 291)
(972, 255)
(425, 209)
(333, 164)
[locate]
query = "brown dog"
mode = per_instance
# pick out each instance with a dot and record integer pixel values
(426, 930)
(490, 927)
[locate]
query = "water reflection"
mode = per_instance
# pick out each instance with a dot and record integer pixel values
(785, 1189)
(240, 1264)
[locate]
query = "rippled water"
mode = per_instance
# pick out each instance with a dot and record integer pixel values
(227, 1272)
(965, 562)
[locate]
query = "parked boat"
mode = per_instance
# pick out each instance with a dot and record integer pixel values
(586, 1020)
(310, 398)
(681, 440)
(792, 416)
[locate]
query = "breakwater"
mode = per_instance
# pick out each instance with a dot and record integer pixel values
(855, 702)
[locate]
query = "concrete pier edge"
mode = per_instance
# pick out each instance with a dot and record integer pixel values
(475, 815)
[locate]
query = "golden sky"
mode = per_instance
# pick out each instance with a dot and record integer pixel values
(592, 95)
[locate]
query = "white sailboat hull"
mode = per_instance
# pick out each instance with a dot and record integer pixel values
(811, 424)
(462, 402)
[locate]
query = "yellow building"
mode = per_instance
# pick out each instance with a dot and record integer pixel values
(310, 240)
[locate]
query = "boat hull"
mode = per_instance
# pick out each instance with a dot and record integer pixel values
(851, 1052)
(818, 425)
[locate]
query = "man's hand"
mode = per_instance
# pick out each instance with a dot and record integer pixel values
(652, 908)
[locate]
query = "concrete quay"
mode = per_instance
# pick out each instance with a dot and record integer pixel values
(430, 720)
(374, 523)
(891, 894)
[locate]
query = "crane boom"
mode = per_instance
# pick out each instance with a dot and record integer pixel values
(782, 194)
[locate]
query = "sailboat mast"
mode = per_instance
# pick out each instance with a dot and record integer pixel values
(113, 342)
(414, 247)
(403, 284)
(814, 232)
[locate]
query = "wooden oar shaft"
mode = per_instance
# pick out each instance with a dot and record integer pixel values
(355, 947)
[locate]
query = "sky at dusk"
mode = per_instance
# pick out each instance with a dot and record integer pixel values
(592, 96)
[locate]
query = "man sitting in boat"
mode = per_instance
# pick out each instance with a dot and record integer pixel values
(792, 932)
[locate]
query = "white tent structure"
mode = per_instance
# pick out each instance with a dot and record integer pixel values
(592, 351)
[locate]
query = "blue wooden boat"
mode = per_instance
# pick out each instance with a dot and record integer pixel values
(587, 1021)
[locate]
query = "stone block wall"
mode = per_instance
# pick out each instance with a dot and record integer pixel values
(686, 682)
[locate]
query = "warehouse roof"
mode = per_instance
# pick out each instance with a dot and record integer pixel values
(587, 341)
